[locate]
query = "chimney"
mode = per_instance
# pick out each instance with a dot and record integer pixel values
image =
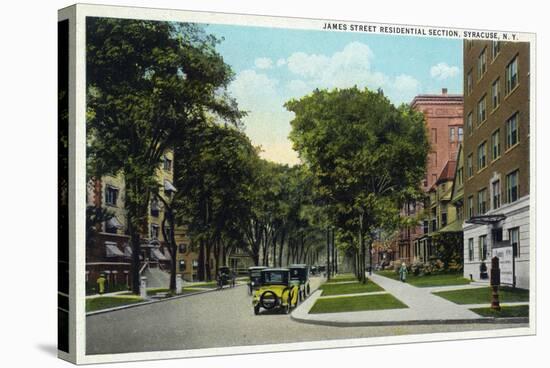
(444, 91)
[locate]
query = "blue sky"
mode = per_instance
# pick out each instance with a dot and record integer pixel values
(273, 65)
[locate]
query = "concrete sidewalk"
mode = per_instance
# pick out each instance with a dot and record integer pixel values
(423, 308)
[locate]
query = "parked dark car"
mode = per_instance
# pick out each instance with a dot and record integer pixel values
(225, 277)
(299, 274)
(255, 278)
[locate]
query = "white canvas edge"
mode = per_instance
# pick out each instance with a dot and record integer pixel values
(77, 154)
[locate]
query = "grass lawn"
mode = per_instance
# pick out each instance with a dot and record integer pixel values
(483, 295)
(343, 278)
(356, 303)
(104, 302)
(211, 284)
(511, 311)
(349, 288)
(440, 279)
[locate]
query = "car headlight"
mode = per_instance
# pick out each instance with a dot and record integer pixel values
(252, 283)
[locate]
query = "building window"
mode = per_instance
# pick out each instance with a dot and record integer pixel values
(469, 83)
(182, 248)
(167, 164)
(469, 123)
(182, 265)
(495, 94)
(471, 249)
(460, 134)
(195, 264)
(483, 247)
(459, 212)
(482, 63)
(425, 226)
(470, 165)
(460, 176)
(495, 145)
(155, 208)
(482, 201)
(496, 194)
(512, 186)
(111, 195)
(512, 131)
(496, 49)
(443, 219)
(482, 110)
(513, 235)
(482, 155)
(512, 75)
(154, 231)
(434, 135)
(470, 206)
(452, 135)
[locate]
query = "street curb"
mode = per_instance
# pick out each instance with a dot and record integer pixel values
(487, 320)
(152, 302)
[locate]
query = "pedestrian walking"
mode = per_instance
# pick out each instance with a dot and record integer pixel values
(101, 284)
(403, 272)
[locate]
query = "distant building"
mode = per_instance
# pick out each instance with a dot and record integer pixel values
(108, 249)
(443, 114)
(496, 154)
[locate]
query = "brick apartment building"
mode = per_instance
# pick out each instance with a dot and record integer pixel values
(443, 114)
(496, 154)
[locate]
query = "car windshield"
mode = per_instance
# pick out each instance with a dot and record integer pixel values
(275, 277)
(255, 273)
(298, 273)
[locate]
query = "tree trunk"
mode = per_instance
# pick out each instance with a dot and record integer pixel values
(200, 271)
(136, 263)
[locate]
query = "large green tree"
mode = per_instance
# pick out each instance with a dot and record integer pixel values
(215, 170)
(147, 82)
(365, 154)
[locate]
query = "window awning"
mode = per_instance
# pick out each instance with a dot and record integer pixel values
(157, 254)
(169, 187)
(486, 219)
(167, 254)
(113, 251)
(114, 223)
(128, 251)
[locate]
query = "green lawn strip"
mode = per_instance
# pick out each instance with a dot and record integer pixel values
(153, 291)
(510, 311)
(211, 284)
(105, 302)
(437, 279)
(350, 288)
(483, 295)
(356, 303)
(343, 278)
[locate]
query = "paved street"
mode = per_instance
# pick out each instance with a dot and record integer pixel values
(222, 318)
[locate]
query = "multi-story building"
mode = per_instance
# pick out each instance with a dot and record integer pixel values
(443, 114)
(441, 216)
(496, 154)
(108, 250)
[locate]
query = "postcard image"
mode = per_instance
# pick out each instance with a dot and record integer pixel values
(234, 184)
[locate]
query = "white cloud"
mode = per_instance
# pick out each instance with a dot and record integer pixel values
(263, 63)
(346, 68)
(443, 71)
(281, 62)
(252, 89)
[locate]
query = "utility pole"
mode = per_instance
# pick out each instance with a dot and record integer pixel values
(362, 246)
(334, 267)
(328, 253)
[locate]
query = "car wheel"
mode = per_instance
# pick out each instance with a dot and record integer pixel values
(257, 309)
(268, 300)
(287, 308)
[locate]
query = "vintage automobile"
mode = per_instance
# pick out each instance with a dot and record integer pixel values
(255, 278)
(276, 291)
(225, 277)
(299, 274)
